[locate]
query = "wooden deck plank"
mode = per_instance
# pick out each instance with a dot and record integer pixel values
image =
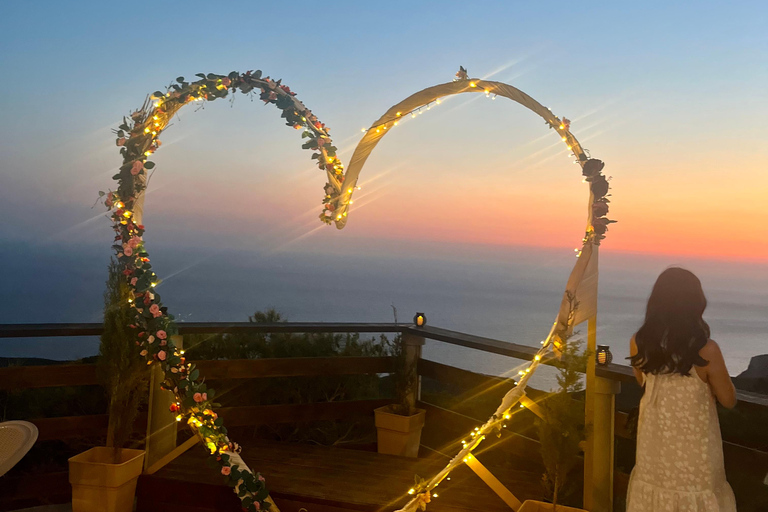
(343, 479)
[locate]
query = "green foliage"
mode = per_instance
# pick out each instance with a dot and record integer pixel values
(295, 390)
(562, 428)
(121, 370)
(404, 377)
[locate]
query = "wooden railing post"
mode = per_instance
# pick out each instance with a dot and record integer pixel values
(599, 452)
(412, 345)
(161, 422)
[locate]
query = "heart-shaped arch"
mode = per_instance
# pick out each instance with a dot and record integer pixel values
(138, 138)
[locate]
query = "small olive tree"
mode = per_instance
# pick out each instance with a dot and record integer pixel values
(562, 428)
(121, 371)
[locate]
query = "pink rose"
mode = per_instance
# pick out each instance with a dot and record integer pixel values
(226, 470)
(134, 281)
(198, 397)
(261, 478)
(272, 96)
(321, 141)
(162, 335)
(257, 505)
(128, 251)
(225, 82)
(143, 352)
(161, 355)
(134, 241)
(121, 141)
(155, 310)
(163, 343)
(138, 165)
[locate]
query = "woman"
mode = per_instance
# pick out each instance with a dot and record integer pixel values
(679, 464)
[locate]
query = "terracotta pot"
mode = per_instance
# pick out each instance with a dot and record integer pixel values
(540, 506)
(397, 434)
(99, 485)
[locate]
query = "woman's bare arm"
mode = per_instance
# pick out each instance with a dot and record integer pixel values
(633, 352)
(717, 375)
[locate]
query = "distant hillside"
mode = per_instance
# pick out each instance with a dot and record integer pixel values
(39, 361)
(755, 377)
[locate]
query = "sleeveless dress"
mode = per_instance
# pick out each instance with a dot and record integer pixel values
(679, 464)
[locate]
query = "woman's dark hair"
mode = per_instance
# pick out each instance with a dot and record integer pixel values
(674, 331)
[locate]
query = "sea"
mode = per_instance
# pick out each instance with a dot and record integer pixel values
(507, 293)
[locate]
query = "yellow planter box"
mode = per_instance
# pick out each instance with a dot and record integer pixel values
(99, 485)
(399, 435)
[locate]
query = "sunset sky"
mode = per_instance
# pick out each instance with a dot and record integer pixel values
(673, 98)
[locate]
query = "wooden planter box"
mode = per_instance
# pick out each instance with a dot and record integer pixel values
(98, 485)
(399, 435)
(540, 506)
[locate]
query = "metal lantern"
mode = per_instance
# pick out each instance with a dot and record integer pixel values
(420, 320)
(604, 355)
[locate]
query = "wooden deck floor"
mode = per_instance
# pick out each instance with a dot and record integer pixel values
(323, 479)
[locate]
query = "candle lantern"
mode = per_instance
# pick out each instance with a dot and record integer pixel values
(420, 320)
(604, 355)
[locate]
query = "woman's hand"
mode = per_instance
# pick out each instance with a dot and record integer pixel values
(633, 352)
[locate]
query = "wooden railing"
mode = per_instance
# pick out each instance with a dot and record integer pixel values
(31, 377)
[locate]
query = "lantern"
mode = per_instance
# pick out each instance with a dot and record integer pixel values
(604, 355)
(420, 320)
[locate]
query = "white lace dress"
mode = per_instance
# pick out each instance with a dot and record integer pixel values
(679, 464)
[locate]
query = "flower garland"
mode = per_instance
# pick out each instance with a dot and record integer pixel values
(592, 170)
(137, 138)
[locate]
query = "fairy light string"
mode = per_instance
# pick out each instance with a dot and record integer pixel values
(153, 326)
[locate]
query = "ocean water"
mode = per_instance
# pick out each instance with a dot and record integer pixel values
(505, 293)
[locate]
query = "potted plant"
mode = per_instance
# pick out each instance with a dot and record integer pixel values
(104, 478)
(562, 430)
(398, 425)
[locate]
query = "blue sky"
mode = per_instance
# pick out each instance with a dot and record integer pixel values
(670, 94)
